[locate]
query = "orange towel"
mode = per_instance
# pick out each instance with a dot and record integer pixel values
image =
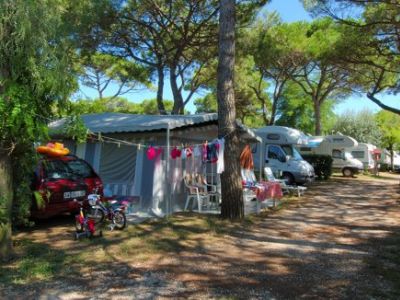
(246, 158)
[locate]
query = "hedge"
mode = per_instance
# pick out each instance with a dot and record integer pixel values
(322, 164)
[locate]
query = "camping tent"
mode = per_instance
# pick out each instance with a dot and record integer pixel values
(117, 147)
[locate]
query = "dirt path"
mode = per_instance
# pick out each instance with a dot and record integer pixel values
(318, 247)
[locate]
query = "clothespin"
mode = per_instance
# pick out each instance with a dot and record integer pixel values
(138, 147)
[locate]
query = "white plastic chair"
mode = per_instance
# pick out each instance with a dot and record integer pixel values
(196, 192)
(299, 190)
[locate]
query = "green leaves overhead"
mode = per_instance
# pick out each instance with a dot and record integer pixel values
(102, 70)
(361, 125)
(36, 74)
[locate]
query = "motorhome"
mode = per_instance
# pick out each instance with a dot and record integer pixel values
(336, 146)
(363, 152)
(278, 152)
(387, 160)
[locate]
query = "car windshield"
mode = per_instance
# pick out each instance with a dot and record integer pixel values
(292, 152)
(66, 169)
(80, 168)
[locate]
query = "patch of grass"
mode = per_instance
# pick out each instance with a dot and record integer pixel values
(39, 262)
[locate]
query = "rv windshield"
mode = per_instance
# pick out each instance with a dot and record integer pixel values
(292, 152)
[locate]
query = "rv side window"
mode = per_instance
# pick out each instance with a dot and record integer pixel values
(273, 136)
(357, 154)
(337, 153)
(338, 140)
(275, 152)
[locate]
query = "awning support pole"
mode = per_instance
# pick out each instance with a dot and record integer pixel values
(168, 191)
(261, 159)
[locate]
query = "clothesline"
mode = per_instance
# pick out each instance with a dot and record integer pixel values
(102, 138)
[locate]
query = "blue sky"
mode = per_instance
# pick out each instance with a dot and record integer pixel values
(290, 11)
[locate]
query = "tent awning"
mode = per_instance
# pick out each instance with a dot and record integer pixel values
(119, 122)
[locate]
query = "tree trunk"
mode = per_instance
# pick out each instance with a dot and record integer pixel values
(317, 115)
(273, 112)
(5, 206)
(160, 91)
(178, 99)
(231, 184)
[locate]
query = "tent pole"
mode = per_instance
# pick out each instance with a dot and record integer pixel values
(168, 198)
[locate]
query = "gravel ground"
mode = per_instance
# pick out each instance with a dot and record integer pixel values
(315, 248)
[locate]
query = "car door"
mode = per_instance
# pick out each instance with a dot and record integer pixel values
(338, 161)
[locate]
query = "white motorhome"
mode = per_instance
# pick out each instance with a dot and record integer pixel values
(386, 159)
(363, 152)
(335, 145)
(277, 151)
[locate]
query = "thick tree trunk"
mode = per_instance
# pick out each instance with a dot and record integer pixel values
(232, 196)
(5, 206)
(317, 115)
(160, 91)
(178, 99)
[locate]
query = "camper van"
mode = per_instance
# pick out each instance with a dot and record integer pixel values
(278, 152)
(363, 152)
(387, 160)
(336, 146)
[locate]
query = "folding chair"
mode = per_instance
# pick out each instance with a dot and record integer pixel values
(290, 189)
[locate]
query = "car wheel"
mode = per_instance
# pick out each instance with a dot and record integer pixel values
(347, 172)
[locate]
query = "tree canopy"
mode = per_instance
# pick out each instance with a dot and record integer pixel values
(35, 73)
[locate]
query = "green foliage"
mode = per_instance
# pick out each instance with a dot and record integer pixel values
(371, 45)
(361, 125)
(322, 164)
(4, 208)
(296, 110)
(389, 124)
(35, 74)
(207, 104)
(249, 87)
(75, 128)
(101, 70)
(120, 105)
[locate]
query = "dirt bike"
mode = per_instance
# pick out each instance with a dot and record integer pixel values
(109, 210)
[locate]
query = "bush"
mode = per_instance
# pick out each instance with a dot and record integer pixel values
(322, 165)
(384, 167)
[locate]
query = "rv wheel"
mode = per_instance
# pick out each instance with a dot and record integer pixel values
(289, 179)
(347, 172)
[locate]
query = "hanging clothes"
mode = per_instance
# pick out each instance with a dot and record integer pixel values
(197, 151)
(151, 153)
(204, 152)
(246, 158)
(220, 162)
(212, 152)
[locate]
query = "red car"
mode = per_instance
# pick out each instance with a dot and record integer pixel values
(60, 180)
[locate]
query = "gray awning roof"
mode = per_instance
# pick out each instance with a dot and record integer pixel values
(120, 122)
